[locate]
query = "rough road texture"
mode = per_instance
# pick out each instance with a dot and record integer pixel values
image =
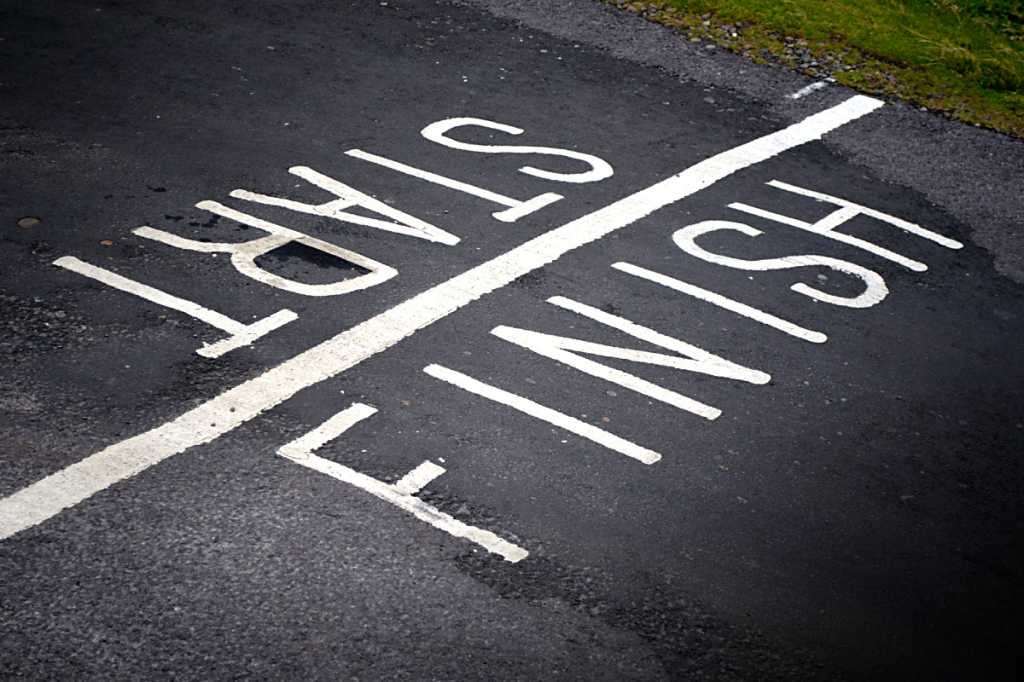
(857, 517)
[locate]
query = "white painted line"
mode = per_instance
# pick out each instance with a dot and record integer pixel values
(400, 494)
(434, 178)
(825, 226)
(162, 298)
(399, 222)
(251, 333)
(245, 254)
(700, 360)
(437, 132)
(241, 334)
(723, 302)
(328, 431)
(510, 215)
(875, 289)
(516, 209)
(417, 479)
(217, 416)
(690, 358)
(905, 225)
(538, 411)
(804, 91)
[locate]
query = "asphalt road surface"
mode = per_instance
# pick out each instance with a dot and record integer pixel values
(493, 340)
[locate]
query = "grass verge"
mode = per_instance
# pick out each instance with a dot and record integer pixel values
(964, 58)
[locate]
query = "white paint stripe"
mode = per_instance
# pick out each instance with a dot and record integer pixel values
(241, 334)
(804, 91)
(825, 227)
(418, 478)
(415, 506)
(777, 217)
(516, 209)
(510, 215)
(710, 363)
(690, 358)
(551, 346)
(399, 222)
(329, 430)
(116, 281)
(723, 302)
(300, 451)
(906, 226)
(210, 420)
(434, 178)
(553, 417)
(252, 332)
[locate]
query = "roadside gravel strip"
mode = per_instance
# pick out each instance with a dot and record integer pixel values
(976, 175)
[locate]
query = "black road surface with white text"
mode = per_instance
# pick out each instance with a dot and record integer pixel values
(493, 339)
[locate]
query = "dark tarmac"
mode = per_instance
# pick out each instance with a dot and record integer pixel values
(857, 516)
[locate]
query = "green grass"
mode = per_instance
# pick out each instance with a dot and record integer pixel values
(961, 57)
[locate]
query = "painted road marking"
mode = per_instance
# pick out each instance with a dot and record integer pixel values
(847, 211)
(49, 496)
(804, 91)
(905, 225)
(437, 132)
(244, 254)
(690, 358)
(874, 292)
(398, 221)
(824, 227)
(417, 479)
(515, 209)
(723, 302)
(544, 413)
(400, 494)
(241, 334)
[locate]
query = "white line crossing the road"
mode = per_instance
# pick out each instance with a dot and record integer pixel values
(49, 496)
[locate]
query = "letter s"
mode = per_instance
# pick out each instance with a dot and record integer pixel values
(599, 169)
(875, 290)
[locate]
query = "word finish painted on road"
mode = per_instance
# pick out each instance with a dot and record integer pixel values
(686, 356)
(212, 419)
